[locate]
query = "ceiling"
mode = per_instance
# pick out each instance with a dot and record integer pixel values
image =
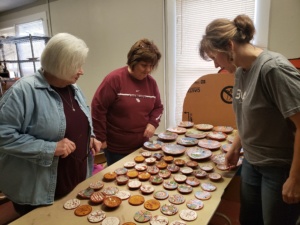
(6, 5)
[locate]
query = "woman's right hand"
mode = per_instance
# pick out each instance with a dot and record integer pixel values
(64, 148)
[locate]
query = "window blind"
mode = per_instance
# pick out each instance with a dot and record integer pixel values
(192, 17)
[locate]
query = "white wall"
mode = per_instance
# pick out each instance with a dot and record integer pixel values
(110, 28)
(284, 36)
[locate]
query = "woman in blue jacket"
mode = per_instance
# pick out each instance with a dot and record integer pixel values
(46, 136)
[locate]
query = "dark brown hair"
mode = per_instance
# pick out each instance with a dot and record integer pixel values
(143, 50)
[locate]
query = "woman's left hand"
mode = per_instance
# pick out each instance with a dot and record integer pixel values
(149, 132)
(95, 145)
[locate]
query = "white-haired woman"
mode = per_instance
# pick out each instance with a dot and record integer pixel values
(46, 135)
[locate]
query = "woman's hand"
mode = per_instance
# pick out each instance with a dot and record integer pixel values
(64, 148)
(149, 132)
(95, 145)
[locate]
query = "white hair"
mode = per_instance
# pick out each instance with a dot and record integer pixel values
(64, 55)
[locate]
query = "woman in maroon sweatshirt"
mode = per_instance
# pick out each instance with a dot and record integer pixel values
(126, 108)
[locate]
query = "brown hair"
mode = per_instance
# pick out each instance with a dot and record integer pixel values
(220, 31)
(143, 50)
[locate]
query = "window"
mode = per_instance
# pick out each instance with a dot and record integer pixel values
(189, 23)
(34, 25)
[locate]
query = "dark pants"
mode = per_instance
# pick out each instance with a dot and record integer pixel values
(112, 157)
(261, 196)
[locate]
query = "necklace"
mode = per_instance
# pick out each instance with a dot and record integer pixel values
(71, 105)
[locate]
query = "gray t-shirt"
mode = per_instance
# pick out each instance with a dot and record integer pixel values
(264, 98)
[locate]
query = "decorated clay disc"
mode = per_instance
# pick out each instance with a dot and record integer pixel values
(129, 164)
(111, 220)
(155, 179)
(83, 210)
(180, 178)
(161, 195)
(193, 181)
(162, 165)
(209, 144)
(170, 184)
(173, 149)
(158, 156)
(142, 216)
(218, 136)
(198, 153)
(200, 173)
(123, 194)
(96, 216)
(186, 170)
(204, 126)
(86, 193)
(196, 134)
(208, 186)
(112, 201)
(184, 188)
(159, 220)
(153, 145)
(132, 173)
(224, 129)
(206, 167)
(150, 160)
(146, 154)
(152, 204)
(96, 185)
(179, 162)
(173, 168)
(147, 189)
(134, 184)
(167, 136)
(72, 203)
(122, 179)
(121, 171)
(144, 176)
(169, 209)
(202, 195)
(176, 199)
(187, 141)
(168, 158)
(110, 190)
(186, 124)
(194, 204)
(140, 167)
(164, 174)
(139, 159)
(152, 170)
(97, 197)
(136, 200)
(222, 167)
(177, 130)
(178, 222)
(215, 176)
(188, 214)
(110, 176)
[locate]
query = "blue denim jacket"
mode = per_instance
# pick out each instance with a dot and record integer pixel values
(32, 121)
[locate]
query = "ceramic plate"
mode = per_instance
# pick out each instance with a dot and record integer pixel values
(177, 130)
(173, 149)
(187, 141)
(170, 184)
(161, 195)
(194, 204)
(123, 194)
(196, 134)
(112, 201)
(153, 145)
(188, 215)
(202, 195)
(193, 181)
(142, 216)
(111, 220)
(224, 129)
(167, 136)
(208, 186)
(204, 126)
(198, 153)
(218, 136)
(178, 222)
(176, 199)
(159, 220)
(147, 189)
(209, 144)
(169, 209)
(185, 188)
(186, 124)
(110, 190)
